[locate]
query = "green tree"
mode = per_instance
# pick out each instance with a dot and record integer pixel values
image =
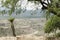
(12, 5)
(51, 7)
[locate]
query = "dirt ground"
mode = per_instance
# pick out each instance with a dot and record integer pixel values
(23, 37)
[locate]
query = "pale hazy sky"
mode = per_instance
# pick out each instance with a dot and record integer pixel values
(30, 6)
(27, 5)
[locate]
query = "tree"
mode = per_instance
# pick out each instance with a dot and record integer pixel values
(12, 6)
(51, 7)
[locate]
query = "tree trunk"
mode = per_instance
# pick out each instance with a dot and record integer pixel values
(13, 29)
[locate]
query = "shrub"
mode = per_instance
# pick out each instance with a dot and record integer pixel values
(51, 24)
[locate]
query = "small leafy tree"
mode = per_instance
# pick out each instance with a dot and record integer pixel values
(12, 6)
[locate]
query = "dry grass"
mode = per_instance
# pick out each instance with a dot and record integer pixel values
(30, 37)
(24, 26)
(23, 37)
(8, 38)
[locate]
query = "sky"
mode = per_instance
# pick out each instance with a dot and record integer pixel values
(27, 5)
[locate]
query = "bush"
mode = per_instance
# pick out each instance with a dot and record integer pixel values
(52, 23)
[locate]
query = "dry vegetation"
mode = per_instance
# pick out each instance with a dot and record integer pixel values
(28, 29)
(23, 37)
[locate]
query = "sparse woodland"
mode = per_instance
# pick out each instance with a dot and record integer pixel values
(52, 15)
